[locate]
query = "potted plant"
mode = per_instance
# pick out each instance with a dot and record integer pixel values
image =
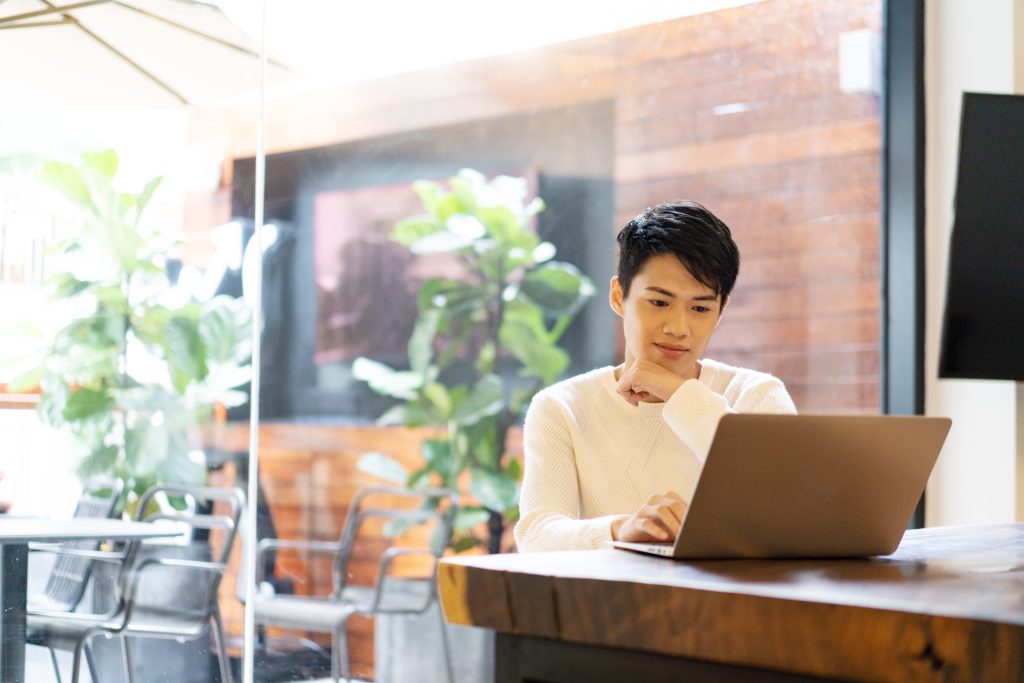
(131, 367)
(483, 344)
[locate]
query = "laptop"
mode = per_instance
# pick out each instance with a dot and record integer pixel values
(792, 486)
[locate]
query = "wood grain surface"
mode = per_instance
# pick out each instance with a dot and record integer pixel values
(948, 605)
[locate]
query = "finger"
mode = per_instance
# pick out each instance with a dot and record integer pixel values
(651, 526)
(669, 518)
(678, 508)
(676, 502)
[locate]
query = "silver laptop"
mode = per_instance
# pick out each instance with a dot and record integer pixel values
(777, 486)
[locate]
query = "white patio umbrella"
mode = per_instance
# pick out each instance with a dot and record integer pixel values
(124, 53)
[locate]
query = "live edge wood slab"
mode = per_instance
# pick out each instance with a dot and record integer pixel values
(947, 605)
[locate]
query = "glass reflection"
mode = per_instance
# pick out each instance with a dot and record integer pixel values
(125, 342)
(766, 112)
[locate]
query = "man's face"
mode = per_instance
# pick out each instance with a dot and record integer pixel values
(668, 316)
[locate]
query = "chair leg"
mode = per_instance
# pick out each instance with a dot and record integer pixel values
(90, 661)
(339, 648)
(222, 654)
(56, 664)
(126, 659)
(335, 649)
(444, 644)
(76, 658)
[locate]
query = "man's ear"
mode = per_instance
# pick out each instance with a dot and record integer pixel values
(615, 295)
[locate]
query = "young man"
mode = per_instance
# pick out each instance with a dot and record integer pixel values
(615, 453)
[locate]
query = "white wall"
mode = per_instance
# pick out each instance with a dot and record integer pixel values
(969, 46)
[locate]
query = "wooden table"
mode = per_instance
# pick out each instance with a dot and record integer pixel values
(947, 605)
(15, 535)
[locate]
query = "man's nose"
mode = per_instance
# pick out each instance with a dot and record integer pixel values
(677, 324)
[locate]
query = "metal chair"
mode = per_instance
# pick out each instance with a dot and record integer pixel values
(330, 614)
(141, 606)
(70, 573)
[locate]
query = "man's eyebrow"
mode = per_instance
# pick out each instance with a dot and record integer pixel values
(702, 297)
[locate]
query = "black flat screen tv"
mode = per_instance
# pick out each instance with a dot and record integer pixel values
(983, 324)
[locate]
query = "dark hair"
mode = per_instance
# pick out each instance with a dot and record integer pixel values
(701, 242)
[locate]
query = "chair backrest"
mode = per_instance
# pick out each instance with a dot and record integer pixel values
(181, 581)
(70, 574)
(400, 512)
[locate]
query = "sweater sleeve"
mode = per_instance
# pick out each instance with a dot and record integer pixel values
(549, 504)
(694, 410)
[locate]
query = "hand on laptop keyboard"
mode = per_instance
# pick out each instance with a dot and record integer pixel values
(656, 522)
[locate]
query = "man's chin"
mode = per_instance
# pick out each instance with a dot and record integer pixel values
(684, 367)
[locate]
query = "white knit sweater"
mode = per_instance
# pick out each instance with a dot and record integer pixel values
(592, 458)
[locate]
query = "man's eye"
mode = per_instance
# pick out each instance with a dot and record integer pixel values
(702, 309)
(658, 302)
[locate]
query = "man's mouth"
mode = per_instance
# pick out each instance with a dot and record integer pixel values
(672, 350)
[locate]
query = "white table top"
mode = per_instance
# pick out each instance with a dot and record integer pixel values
(43, 530)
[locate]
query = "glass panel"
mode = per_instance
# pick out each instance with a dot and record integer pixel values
(126, 339)
(766, 112)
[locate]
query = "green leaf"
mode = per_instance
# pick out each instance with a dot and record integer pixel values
(186, 353)
(104, 161)
(146, 446)
(382, 466)
(439, 397)
(485, 358)
(87, 402)
(545, 251)
(484, 439)
(559, 288)
(151, 326)
(386, 381)
(502, 225)
(430, 194)
(126, 201)
(69, 181)
(181, 469)
(523, 333)
(493, 490)
(468, 517)
(514, 471)
(448, 205)
(410, 415)
(468, 185)
(511, 514)
(437, 456)
(397, 527)
(465, 543)
(419, 478)
(411, 230)
(67, 286)
(52, 401)
(112, 298)
(27, 380)
(122, 240)
(225, 326)
(487, 398)
(145, 196)
(421, 343)
(102, 460)
(440, 242)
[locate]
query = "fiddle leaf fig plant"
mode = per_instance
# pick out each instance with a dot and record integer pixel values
(130, 367)
(503, 319)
